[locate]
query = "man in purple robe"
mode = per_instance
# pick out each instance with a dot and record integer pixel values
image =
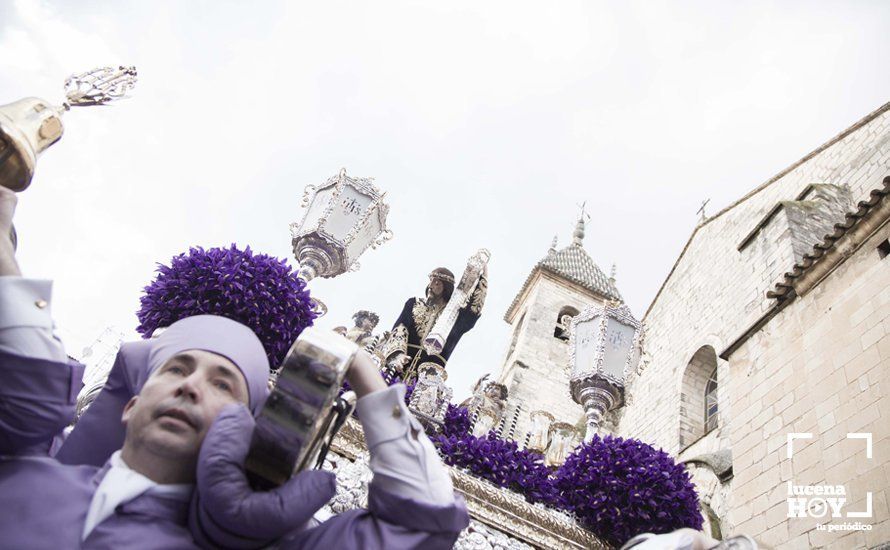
(189, 424)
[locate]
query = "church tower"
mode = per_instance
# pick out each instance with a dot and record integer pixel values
(535, 370)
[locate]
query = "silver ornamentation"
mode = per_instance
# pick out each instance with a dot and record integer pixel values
(604, 348)
(99, 86)
(344, 217)
(481, 536)
(431, 395)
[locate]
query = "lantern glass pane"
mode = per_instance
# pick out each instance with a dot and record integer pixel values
(364, 237)
(348, 209)
(316, 209)
(587, 339)
(619, 339)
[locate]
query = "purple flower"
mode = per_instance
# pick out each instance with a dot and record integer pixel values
(256, 290)
(457, 421)
(498, 461)
(620, 488)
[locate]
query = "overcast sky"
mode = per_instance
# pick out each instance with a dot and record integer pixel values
(486, 123)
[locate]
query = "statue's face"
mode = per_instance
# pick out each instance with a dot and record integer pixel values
(493, 392)
(437, 287)
(365, 323)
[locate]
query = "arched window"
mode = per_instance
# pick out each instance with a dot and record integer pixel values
(711, 402)
(563, 321)
(698, 396)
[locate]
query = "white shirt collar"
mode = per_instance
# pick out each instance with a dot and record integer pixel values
(121, 485)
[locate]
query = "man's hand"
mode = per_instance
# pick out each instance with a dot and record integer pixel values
(8, 265)
(226, 511)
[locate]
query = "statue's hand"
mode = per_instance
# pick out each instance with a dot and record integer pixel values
(399, 362)
(226, 512)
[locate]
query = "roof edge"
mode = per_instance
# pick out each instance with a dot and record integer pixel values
(849, 130)
(824, 259)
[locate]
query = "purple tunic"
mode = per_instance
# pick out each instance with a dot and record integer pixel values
(46, 505)
(36, 402)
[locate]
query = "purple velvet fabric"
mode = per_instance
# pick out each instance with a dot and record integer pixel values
(99, 431)
(36, 402)
(45, 506)
(50, 501)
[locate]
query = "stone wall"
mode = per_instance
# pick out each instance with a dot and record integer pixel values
(821, 366)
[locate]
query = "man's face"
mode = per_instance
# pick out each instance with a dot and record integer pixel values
(177, 405)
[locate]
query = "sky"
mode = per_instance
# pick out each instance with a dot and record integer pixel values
(486, 123)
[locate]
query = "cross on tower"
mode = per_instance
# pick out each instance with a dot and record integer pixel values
(583, 211)
(701, 210)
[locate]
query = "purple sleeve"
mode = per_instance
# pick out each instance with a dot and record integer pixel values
(99, 432)
(37, 398)
(389, 522)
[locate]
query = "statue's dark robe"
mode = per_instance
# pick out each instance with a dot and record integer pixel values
(414, 318)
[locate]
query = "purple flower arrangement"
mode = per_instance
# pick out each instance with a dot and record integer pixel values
(616, 487)
(256, 290)
(620, 488)
(457, 421)
(496, 460)
(500, 462)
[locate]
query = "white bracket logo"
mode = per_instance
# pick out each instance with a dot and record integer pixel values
(797, 507)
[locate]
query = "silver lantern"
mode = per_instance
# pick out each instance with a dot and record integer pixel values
(344, 216)
(604, 343)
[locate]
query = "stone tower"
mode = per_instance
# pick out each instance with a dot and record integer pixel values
(535, 369)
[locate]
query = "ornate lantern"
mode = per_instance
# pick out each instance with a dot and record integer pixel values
(604, 343)
(344, 216)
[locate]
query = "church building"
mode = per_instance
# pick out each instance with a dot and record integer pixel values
(766, 356)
